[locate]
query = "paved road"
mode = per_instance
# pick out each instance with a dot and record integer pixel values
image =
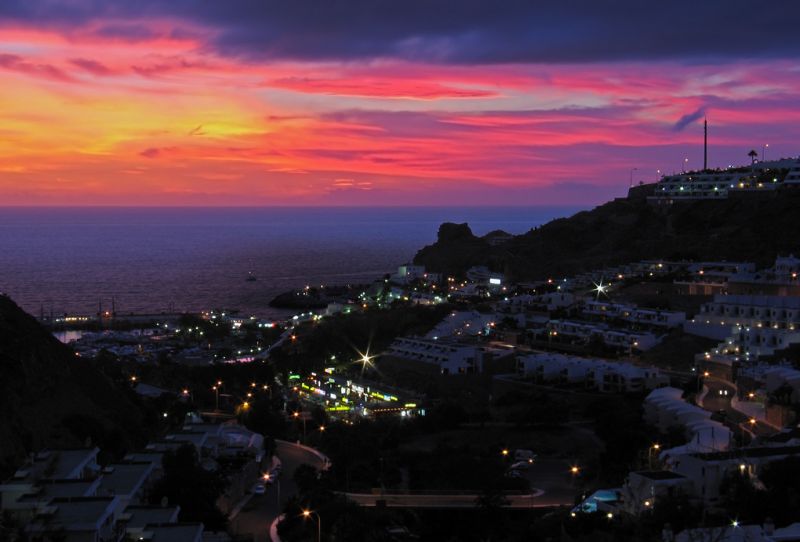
(256, 516)
(441, 501)
(551, 478)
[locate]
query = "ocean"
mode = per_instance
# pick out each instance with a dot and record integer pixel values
(71, 260)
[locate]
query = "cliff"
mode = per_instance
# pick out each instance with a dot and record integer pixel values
(625, 230)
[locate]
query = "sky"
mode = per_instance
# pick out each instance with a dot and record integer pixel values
(373, 102)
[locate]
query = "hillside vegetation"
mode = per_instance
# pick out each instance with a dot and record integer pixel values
(51, 398)
(625, 230)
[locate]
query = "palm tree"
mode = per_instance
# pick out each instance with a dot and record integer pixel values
(753, 155)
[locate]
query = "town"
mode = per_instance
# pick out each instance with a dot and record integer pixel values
(651, 398)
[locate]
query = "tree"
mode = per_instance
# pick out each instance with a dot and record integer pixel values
(186, 484)
(753, 155)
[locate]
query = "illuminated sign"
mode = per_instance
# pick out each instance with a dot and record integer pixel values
(496, 282)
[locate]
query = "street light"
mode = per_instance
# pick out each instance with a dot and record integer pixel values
(307, 514)
(764, 151)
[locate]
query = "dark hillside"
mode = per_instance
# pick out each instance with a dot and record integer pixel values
(51, 398)
(623, 230)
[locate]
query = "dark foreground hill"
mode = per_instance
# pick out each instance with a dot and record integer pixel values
(625, 230)
(51, 398)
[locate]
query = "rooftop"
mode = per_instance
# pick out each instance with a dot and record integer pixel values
(659, 474)
(745, 453)
(140, 516)
(124, 478)
(175, 532)
(76, 513)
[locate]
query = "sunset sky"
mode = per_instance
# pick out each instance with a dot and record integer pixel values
(189, 102)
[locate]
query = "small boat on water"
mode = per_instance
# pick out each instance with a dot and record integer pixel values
(251, 277)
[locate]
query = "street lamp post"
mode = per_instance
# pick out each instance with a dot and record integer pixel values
(297, 415)
(308, 514)
(216, 389)
(267, 478)
(631, 179)
(656, 447)
(764, 151)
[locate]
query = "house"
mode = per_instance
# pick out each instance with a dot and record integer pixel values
(633, 314)
(665, 408)
(643, 489)
(78, 519)
(136, 518)
(708, 470)
(408, 273)
(49, 465)
(718, 318)
(445, 357)
(172, 532)
(602, 375)
(612, 337)
(128, 481)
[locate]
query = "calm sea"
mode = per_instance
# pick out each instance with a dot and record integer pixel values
(163, 259)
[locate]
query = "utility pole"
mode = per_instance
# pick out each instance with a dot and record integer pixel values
(705, 144)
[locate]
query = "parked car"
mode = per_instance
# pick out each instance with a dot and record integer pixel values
(259, 489)
(522, 465)
(514, 474)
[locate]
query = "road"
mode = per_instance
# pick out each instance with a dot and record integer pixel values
(256, 516)
(551, 475)
(551, 479)
(441, 501)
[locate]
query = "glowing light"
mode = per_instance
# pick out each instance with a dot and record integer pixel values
(600, 289)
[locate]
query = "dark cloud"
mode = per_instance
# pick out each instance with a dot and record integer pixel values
(469, 31)
(19, 64)
(92, 66)
(688, 119)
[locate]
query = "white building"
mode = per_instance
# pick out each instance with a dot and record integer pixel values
(707, 471)
(462, 323)
(481, 275)
(618, 338)
(643, 489)
(719, 318)
(408, 273)
(665, 408)
(603, 375)
(447, 357)
(634, 314)
(761, 176)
